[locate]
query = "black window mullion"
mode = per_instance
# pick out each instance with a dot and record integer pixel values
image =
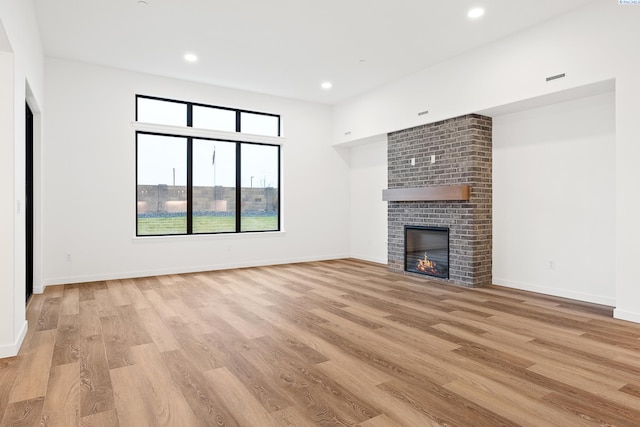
(238, 178)
(279, 184)
(137, 183)
(189, 185)
(238, 185)
(189, 172)
(190, 115)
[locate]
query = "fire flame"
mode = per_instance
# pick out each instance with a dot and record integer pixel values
(427, 266)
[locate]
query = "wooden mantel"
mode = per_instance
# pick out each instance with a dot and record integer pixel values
(443, 192)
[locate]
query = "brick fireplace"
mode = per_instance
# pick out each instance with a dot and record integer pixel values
(463, 153)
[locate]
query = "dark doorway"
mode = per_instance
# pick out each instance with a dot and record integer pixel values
(29, 202)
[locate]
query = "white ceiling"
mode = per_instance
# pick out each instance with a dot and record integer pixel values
(282, 47)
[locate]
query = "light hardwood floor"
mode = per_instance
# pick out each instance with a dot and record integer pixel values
(326, 343)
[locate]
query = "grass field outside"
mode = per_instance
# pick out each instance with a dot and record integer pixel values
(153, 226)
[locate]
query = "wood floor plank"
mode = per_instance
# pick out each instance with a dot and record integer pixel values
(89, 318)
(601, 413)
(204, 402)
(314, 405)
(87, 290)
(493, 348)
(157, 329)
(9, 368)
(117, 293)
(130, 400)
(245, 327)
(338, 402)
(380, 421)
(392, 356)
(70, 302)
(62, 402)
(49, 314)
(237, 399)
(158, 303)
(602, 385)
(511, 403)
(145, 394)
(67, 348)
(96, 393)
(325, 347)
(393, 408)
(134, 327)
(101, 419)
(135, 295)
(201, 352)
(35, 368)
(191, 316)
(443, 406)
(115, 340)
(253, 380)
(342, 342)
(167, 402)
(292, 417)
(24, 413)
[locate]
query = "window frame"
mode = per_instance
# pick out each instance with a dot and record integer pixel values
(190, 106)
(209, 135)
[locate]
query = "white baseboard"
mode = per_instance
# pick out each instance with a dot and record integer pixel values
(629, 316)
(180, 270)
(557, 292)
(13, 349)
(370, 258)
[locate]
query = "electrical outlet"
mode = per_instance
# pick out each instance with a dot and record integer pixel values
(552, 265)
(67, 256)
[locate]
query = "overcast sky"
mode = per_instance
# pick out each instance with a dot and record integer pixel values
(158, 156)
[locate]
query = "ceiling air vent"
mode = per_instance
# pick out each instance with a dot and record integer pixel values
(422, 113)
(557, 76)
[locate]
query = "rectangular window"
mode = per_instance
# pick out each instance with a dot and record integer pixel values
(259, 124)
(214, 118)
(171, 113)
(162, 185)
(214, 186)
(260, 166)
(196, 185)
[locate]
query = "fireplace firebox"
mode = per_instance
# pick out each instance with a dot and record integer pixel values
(426, 250)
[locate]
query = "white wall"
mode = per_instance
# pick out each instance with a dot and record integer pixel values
(368, 211)
(8, 338)
(89, 181)
(554, 199)
(21, 63)
(592, 44)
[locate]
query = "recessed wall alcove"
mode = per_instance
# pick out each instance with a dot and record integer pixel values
(438, 157)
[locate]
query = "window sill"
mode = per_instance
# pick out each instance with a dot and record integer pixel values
(207, 133)
(212, 237)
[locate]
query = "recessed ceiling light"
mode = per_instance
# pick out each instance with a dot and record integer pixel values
(475, 13)
(326, 85)
(190, 57)
(143, 3)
